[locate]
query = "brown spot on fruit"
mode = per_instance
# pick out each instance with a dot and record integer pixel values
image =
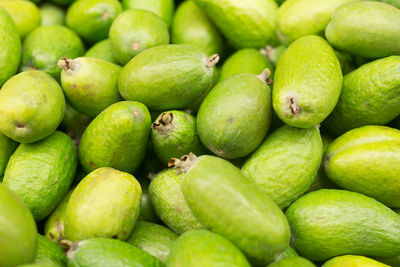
(20, 126)
(135, 45)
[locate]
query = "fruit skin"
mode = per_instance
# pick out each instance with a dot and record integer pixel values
(288, 253)
(134, 31)
(286, 163)
(369, 96)
(293, 261)
(174, 134)
(274, 53)
(49, 253)
(116, 138)
(395, 3)
(42, 172)
(10, 47)
(92, 19)
(367, 160)
(307, 83)
(203, 248)
(246, 24)
(247, 60)
(155, 239)
(169, 202)
(192, 26)
(90, 84)
(147, 212)
(235, 116)
(224, 200)
(74, 123)
(106, 203)
(329, 222)
(162, 8)
(167, 77)
(297, 18)
(51, 15)
(365, 28)
(102, 50)
(32, 105)
(18, 229)
(354, 261)
(25, 14)
(43, 47)
(7, 148)
(100, 252)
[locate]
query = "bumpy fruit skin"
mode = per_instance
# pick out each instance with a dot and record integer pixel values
(203, 248)
(367, 160)
(247, 60)
(42, 172)
(102, 50)
(354, 261)
(246, 24)
(293, 261)
(51, 15)
(192, 26)
(10, 47)
(307, 83)
(155, 239)
(174, 134)
(90, 84)
(7, 148)
(365, 28)
(297, 18)
(101, 252)
(227, 203)
(169, 202)
(49, 253)
(116, 138)
(369, 96)
(286, 164)
(134, 31)
(166, 77)
(106, 203)
(43, 47)
(92, 19)
(162, 8)
(329, 222)
(32, 105)
(18, 230)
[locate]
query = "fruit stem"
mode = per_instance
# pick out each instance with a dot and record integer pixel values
(264, 76)
(212, 60)
(184, 164)
(267, 51)
(66, 64)
(164, 124)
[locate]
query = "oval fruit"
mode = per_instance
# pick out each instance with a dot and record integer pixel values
(7, 148)
(102, 50)
(52, 15)
(162, 8)
(49, 252)
(354, 261)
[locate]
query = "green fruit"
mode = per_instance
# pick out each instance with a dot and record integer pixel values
(7, 148)
(90, 84)
(293, 261)
(10, 47)
(116, 138)
(174, 134)
(202, 248)
(288, 253)
(54, 225)
(43, 47)
(155, 239)
(167, 77)
(286, 164)
(169, 202)
(353, 261)
(37, 265)
(32, 105)
(307, 82)
(227, 203)
(245, 61)
(134, 31)
(42, 172)
(74, 123)
(105, 203)
(49, 252)
(147, 212)
(101, 252)
(298, 18)
(328, 223)
(162, 8)
(367, 160)
(370, 95)
(346, 61)
(365, 28)
(25, 14)
(102, 50)
(192, 26)
(17, 232)
(244, 23)
(52, 15)
(92, 19)
(273, 53)
(235, 116)
(395, 3)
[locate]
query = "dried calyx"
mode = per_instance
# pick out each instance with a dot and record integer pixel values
(66, 64)
(164, 124)
(293, 105)
(184, 164)
(212, 60)
(265, 76)
(68, 246)
(267, 51)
